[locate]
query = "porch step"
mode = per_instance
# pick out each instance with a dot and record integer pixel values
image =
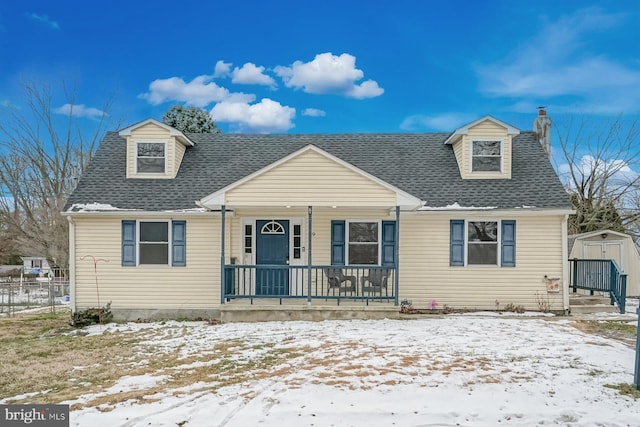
(585, 304)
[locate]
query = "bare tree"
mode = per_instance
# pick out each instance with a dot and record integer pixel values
(600, 163)
(43, 152)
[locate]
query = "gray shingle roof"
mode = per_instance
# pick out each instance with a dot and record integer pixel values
(420, 164)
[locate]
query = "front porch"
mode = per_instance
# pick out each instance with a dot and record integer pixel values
(307, 285)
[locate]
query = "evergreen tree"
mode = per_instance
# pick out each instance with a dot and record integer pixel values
(190, 120)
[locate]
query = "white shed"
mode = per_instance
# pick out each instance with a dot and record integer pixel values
(608, 244)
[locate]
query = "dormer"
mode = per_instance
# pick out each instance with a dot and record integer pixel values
(483, 148)
(154, 150)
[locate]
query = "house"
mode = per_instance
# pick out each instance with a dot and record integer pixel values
(188, 225)
(613, 245)
(35, 265)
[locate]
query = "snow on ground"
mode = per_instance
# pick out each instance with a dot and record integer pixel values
(451, 371)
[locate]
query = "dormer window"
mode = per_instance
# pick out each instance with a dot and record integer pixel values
(150, 157)
(486, 156)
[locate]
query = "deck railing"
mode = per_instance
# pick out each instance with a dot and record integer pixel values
(600, 275)
(325, 282)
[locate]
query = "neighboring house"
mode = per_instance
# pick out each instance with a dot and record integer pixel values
(473, 219)
(35, 265)
(613, 245)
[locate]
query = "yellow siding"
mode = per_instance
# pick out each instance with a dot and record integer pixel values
(311, 179)
(425, 273)
(196, 286)
(458, 151)
(484, 130)
(321, 227)
(179, 154)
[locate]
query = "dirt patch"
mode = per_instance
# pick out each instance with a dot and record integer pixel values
(620, 331)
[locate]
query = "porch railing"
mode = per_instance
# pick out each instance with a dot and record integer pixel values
(328, 282)
(600, 275)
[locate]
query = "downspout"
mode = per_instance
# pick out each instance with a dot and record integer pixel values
(565, 265)
(223, 211)
(309, 254)
(396, 261)
(72, 264)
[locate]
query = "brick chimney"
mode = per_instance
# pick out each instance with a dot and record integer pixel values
(542, 128)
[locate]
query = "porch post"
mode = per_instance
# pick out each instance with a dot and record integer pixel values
(396, 261)
(309, 257)
(223, 211)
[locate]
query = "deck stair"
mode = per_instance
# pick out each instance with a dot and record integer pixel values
(580, 303)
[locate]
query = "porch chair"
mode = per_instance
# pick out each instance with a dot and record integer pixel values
(376, 281)
(336, 278)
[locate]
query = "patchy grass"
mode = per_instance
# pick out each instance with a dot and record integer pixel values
(620, 331)
(625, 389)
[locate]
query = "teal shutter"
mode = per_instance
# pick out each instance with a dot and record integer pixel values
(179, 243)
(128, 243)
(337, 242)
(456, 252)
(508, 250)
(388, 243)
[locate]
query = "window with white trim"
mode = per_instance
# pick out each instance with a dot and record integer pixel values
(486, 156)
(482, 243)
(153, 242)
(150, 157)
(363, 243)
(248, 238)
(297, 241)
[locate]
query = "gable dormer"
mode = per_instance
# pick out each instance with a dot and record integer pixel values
(483, 148)
(154, 150)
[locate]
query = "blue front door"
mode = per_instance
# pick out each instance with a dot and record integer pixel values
(272, 250)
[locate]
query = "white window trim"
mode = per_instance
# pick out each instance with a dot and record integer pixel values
(498, 242)
(472, 140)
(169, 243)
(347, 242)
(135, 157)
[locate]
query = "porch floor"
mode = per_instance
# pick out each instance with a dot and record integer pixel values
(270, 309)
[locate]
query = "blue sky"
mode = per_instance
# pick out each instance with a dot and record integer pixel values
(332, 66)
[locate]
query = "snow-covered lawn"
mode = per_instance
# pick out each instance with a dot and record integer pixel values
(458, 370)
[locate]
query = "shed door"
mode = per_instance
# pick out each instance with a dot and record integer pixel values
(604, 250)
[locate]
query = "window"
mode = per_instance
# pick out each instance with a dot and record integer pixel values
(297, 241)
(486, 156)
(154, 243)
(482, 243)
(150, 157)
(248, 237)
(363, 243)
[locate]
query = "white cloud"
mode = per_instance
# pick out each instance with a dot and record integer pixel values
(328, 73)
(314, 112)
(44, 19)
(265, 116)
(6, 103)
(200, 92)
(222, 69)
(558, 61)
(79, 110)
(440, 122)
(249, 74)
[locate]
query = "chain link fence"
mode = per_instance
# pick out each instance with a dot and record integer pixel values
(34, 292)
